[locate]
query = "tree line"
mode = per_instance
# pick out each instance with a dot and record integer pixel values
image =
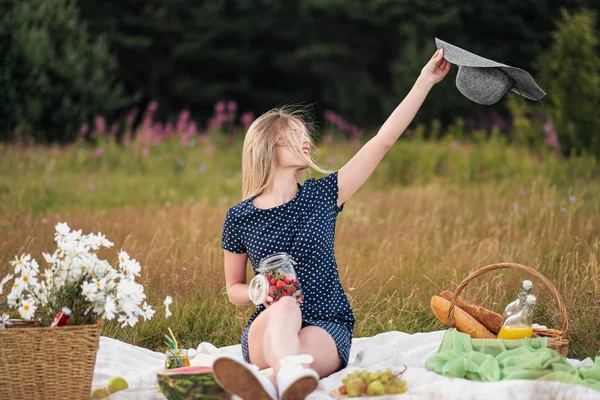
(66, 61)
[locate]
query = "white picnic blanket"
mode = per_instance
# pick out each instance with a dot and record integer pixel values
(390, 349)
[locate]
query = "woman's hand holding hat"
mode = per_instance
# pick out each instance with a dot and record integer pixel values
(436, 69)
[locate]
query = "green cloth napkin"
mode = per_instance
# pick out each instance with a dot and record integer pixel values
(491, 360)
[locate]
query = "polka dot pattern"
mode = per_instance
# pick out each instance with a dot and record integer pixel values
(304, 227)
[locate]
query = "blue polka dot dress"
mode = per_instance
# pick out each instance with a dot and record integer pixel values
(304, 227)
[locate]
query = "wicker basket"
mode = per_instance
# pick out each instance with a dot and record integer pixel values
(557, 340)
(48, 363)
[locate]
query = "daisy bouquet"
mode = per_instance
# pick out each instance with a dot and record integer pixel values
(78, 279)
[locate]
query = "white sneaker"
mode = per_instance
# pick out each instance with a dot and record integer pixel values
(294, 382)
(242, 379)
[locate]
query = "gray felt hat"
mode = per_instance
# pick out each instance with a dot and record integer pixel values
(485, 81)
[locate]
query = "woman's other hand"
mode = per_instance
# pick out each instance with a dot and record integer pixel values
(268, 302)
(436, 69)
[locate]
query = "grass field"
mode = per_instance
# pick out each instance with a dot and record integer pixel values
(431, 213)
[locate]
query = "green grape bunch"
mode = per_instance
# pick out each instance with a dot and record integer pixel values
(373, 383)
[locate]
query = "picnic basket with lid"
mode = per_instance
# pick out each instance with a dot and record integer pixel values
(558, 340)
(47, 363)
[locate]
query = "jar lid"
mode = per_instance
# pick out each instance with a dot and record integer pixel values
(258, 289)
(274, 261)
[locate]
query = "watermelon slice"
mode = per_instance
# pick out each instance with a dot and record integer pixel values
(190, 383)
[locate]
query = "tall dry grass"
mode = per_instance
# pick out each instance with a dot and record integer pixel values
(431, 212)
(395, 249)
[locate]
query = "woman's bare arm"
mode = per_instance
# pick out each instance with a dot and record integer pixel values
(235, 278)
(356, 171)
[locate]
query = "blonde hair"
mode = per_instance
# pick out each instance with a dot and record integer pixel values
(259, 157)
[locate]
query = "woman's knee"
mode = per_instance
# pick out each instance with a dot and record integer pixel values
(286, 306)
(285, 313)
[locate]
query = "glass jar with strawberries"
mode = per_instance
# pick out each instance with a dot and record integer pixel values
(276, 278)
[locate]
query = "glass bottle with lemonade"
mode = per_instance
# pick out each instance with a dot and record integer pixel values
(518, 304)
(519, 325)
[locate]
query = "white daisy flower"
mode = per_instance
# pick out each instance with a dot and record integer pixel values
(62, 228)
(27, 309)
(14, 298)
(75, 236)
(147, 311)
(104, 242)
(100, 240)
(69, 248)
(88, 290)
(27, 278)
(132, 267)
(123, 258)
(110, 308)
(34, 266)
(76, 270)
(4, 321)
(167, 303)
(48, 275)
(130, 320)
(4, 280)
(17, 285)
(21, 262)
(100, 284)
(51, 258)
(92, 242)
(128, 289)
(128, 306)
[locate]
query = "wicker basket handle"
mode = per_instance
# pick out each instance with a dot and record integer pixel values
(529, 270)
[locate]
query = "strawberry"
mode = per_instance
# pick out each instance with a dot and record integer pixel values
(273, 281)
(289, 290)
(272, 290)
(280, 284)
(284, 293)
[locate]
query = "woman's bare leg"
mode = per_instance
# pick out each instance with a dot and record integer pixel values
(309, 340)
(273, 335)
(318, 342)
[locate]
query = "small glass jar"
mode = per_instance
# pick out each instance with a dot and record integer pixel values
(177, 360)
(276, 279)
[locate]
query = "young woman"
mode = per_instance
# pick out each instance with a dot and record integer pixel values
(308, 340)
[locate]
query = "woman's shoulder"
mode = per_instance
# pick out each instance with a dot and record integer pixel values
(239, 210)
(325, 182)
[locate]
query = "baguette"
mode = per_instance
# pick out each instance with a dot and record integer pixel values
(491, 320)
(462, 321)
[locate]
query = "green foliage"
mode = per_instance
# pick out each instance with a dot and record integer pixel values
(570, 73)
(172, 174)
(55, 76)
(526, 130)
(359, 58)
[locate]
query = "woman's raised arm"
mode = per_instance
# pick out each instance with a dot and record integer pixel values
(356, 171)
